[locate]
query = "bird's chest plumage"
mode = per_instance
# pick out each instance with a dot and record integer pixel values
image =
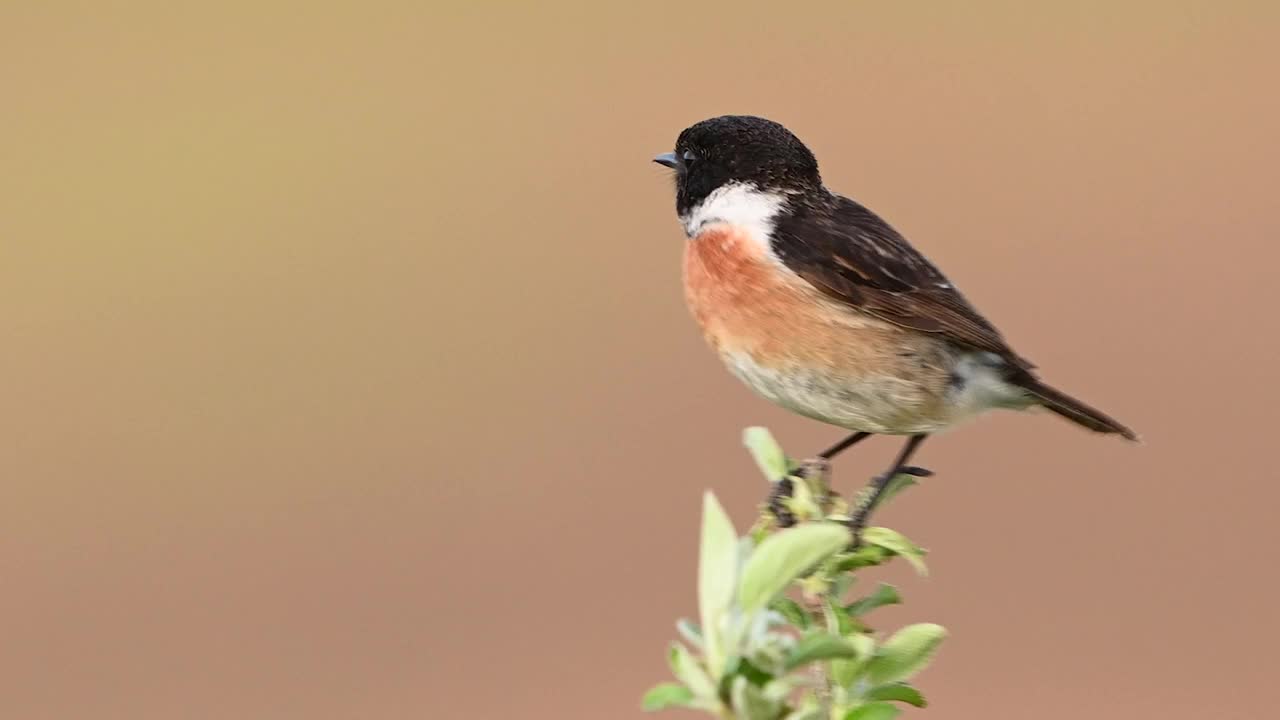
(739, 296)
(801, 350)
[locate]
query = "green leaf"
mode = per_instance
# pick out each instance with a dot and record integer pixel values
(785, 556)
(791, 610)
(750, 703)
(809, 712)
(690, 631)
(906, 653)
(818, 646)
(844, 672)
(841, 584)
(779, 689)
(873, 711)
(803, 503)
(865, 556)
(839, 620)
(898, 692)
(767, 453)
(740, 666)
(687, 670)
(886, 594)
(900, 482)
(896, 543)
(666, 695)
(717, 573)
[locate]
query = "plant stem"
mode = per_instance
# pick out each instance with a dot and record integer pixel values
(817, 472)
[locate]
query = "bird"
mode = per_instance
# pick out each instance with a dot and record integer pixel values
(820, 306)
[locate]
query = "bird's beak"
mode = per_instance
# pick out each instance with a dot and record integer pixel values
(668, 159)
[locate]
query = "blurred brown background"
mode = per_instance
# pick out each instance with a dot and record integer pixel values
(345, 371)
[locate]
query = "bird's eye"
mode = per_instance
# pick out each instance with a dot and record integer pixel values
(689, 156)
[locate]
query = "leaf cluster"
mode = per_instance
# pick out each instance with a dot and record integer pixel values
(776, 638)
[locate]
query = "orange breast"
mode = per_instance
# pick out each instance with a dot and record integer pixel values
(745, 302)
(805, 351)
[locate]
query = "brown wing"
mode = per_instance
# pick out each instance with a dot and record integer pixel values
(849, 253)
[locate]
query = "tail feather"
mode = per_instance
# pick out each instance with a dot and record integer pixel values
(1076, 411)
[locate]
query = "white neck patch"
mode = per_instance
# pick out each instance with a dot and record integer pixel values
(741, 205)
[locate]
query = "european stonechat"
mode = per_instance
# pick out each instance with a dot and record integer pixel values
(820, 306)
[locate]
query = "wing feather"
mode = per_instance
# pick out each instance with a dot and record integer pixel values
(851, 254)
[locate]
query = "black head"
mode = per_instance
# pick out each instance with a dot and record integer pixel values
(738, 148)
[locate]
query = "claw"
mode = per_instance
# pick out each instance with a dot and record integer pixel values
(856, 532)
(806, 467)
(777, 502)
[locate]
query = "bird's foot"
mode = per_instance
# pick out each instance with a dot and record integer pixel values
(815, 468)
(857, 522)
(778, 496)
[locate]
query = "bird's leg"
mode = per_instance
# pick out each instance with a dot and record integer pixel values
(843, 445)
(785, 486)
(859, 519)
(858, 437)
(815, 468)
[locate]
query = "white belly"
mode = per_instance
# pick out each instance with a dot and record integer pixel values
(900, 404)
